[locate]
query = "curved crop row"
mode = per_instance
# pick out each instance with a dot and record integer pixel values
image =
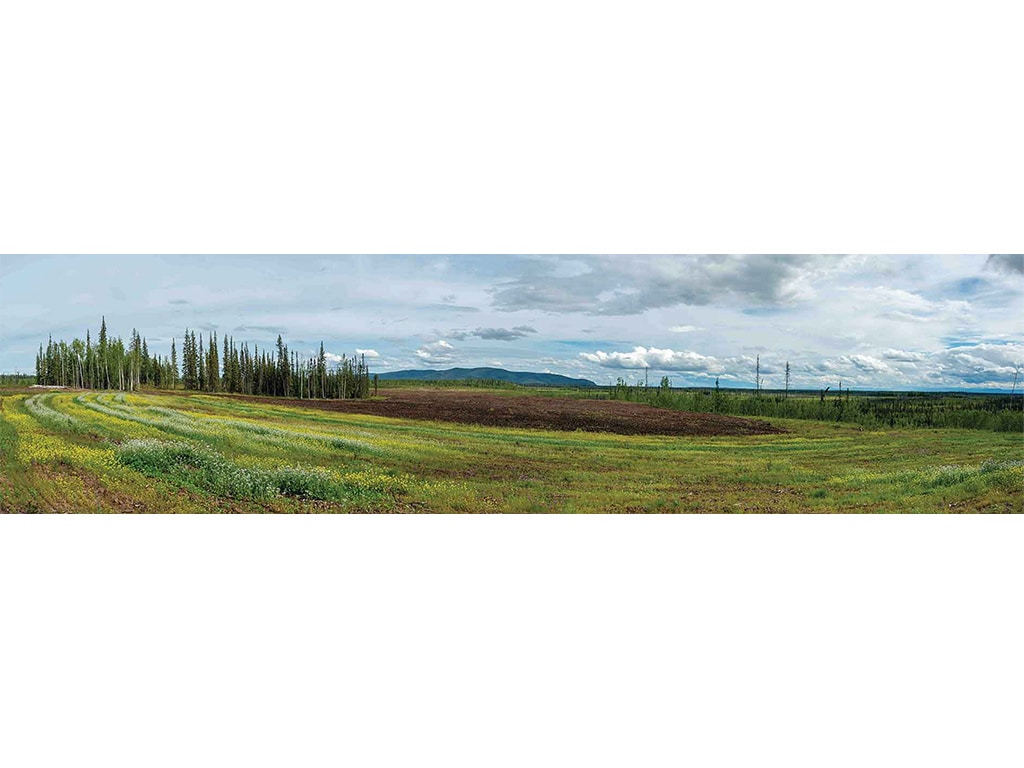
(191, 426)
(39, 406)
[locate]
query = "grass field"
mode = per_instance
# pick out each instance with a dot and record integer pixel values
(171, 452)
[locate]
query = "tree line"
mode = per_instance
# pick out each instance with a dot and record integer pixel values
(205, 366)
(997, 413)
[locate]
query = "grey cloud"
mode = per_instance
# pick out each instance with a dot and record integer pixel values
(273, 329)
(492, 334)
(905, 317)
(1010, 264)
(503, 334)
(34, 336)
(627, 285)
(498, 334)
(179, 301)
(448, 308)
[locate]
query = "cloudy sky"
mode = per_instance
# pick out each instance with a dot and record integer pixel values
(903, 322)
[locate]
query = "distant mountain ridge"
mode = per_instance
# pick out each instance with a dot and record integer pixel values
(524, 378)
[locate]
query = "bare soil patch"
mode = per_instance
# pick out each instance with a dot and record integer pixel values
(535, 412)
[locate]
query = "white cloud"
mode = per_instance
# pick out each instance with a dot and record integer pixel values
(980, 361)
(868, 363)
(684, 329)
(968, 366)
(901, 356)
(907, 306)
(651, 357)
(367, 352)
(436, 352)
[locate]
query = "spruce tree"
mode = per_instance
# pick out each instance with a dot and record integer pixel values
(200, 366)
(321, 370)
(104, 354)
(174, 364)
(226, 363)
(90, 362)
(212, 365)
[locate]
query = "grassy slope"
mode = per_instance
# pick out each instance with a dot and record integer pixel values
(408, 465)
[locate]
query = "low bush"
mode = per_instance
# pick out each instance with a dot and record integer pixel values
(195, 467)
(206, 470)
(307, 484)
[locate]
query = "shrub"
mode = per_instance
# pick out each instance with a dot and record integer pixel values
(190, 465)
(206, 470)
(307, 484)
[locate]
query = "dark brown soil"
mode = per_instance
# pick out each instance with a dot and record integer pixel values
(535, 412)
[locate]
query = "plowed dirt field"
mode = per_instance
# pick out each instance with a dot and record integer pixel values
(536, 412)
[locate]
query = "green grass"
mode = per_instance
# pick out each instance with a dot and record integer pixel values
(178, 452)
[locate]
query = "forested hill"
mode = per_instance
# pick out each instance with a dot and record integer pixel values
(525, 378)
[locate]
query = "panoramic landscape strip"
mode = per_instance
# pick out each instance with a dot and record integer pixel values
(513, 384)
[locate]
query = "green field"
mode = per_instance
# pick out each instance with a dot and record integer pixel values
(172, 452)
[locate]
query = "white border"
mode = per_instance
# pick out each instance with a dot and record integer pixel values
(556, 126)
(509, 641)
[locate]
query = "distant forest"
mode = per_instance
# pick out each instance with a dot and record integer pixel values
(230, 367)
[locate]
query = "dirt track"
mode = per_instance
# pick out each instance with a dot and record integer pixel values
(534, 412)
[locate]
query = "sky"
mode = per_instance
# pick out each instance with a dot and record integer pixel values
(872, 322)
